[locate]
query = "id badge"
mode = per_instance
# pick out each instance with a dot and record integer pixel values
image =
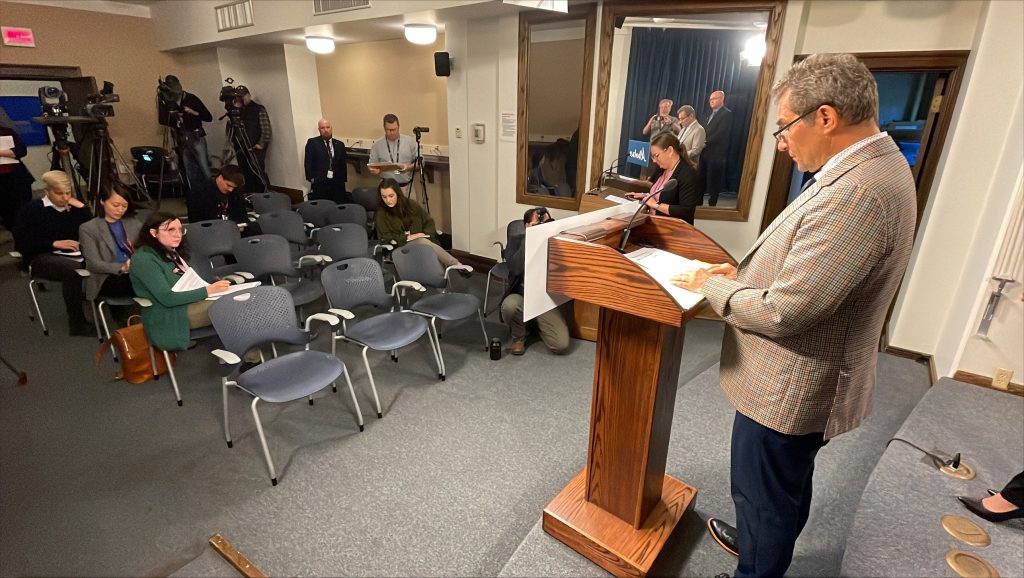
(330, 174)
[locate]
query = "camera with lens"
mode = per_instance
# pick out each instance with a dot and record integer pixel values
(229, 93)
(420, 130)
(98, 105)
(169, 96)
(53, 100)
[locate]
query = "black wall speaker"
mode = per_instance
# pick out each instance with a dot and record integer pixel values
(442, 64)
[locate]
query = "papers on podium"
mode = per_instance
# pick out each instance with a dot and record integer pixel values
(191, 280)
(661, 266)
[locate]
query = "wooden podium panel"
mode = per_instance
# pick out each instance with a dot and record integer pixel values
(622, 508)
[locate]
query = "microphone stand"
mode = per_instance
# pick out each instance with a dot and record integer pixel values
(671, 184)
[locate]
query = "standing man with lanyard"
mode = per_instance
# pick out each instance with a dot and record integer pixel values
(394, 148)
(326, 165)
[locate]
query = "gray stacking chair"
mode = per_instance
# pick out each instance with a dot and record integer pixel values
(268, 258)
(193, 335)
(347, 241)
(211, 239)
(316, 212)
(418, 263)
(292, 227)
(348, 213)
(358, 282)
(32, 281)
(366, 197)
(267, 315)
(515, 236)
(269, 202)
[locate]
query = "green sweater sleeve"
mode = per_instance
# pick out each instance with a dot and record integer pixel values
(151, 279)
(423, 221)
(389, 229)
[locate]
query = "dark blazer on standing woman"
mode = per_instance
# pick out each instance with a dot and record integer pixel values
(318, 162)
(682, 201)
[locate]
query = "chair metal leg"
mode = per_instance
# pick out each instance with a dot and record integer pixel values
(487, 290)
(96, 321)
(273, 349)
(373, 385)
(352, 391)
(174, 380)
(224, 397)
(480, 315)
(152, 363)
(106, 327)
(263, 441)
(35, 302)
(439, 356)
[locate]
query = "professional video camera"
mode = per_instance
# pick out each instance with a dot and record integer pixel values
(53, 100)
(98, 105)
(169, 96)
(229, 93)
(420, 130)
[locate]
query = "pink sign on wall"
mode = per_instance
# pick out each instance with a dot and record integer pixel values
(17, 36)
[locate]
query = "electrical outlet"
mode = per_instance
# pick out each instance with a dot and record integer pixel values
(458, 132)
(1001, 380)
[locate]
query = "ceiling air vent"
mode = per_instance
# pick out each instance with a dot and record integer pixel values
(234, 15)
(328, 6)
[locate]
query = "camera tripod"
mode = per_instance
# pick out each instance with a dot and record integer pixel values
(238, 142)
(62, 156)
(175, 139)
(100, 152)
(418, 167)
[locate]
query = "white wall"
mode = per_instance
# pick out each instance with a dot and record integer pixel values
(304, 97)
(975, 182)
(201, 76)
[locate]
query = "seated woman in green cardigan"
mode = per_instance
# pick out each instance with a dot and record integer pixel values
(401, 220)
(159, 261)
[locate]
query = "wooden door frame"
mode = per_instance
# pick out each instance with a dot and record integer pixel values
(952, 61)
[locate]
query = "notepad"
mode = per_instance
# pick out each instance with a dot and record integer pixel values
(7, 142)
(191, 281)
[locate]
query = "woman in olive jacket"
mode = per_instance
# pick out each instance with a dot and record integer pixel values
(159, 261)
(401, 220)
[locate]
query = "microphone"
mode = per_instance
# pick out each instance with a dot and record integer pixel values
(671, 184)
(612, 166)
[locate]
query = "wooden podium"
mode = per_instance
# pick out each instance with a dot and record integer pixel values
(620, 510)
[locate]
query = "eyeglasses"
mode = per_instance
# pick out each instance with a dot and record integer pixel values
(777, 135)
(654, 156)
(173, 230)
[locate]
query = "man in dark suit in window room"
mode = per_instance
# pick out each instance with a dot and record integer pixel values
(716, 147)
(326, 165)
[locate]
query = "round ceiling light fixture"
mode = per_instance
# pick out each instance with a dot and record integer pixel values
(421, 33)
(320, 44)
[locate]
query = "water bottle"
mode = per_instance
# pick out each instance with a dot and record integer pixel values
(495, 348)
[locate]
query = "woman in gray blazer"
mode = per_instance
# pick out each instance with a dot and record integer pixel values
(106, 244)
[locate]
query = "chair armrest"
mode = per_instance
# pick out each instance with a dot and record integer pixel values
(15, 254)
(457, 268)
(382, 247)
(325, 317)
(314, 260)
(310, 225)
(83, 273)
(235, 279)
(502, 250)
(343, 313)
(244, 275)
(143, 302)
(226, 357)
(410, 284)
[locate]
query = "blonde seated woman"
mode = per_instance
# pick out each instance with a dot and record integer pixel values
(401, 220)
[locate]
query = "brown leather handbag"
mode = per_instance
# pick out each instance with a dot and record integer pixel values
(133, 353)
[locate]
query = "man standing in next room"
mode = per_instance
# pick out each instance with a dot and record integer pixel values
(805, 307)
(713, 163)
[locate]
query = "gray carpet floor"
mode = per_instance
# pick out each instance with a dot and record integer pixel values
(99, 477)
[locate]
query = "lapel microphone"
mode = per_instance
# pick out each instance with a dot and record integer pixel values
(671, 184)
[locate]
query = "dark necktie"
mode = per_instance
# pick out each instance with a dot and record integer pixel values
(808, 184)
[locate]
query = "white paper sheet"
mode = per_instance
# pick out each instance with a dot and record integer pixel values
(189, 281)
(7, 142)
(661, 266)
(234, 289)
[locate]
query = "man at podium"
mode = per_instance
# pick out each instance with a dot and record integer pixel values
(805, 307)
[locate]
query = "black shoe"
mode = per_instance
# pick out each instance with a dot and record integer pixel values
(979, 509)
(726, 536)
(722, 575)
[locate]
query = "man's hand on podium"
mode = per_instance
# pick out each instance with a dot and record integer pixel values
(694, 280)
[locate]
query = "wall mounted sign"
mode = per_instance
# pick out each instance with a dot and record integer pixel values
(18, 36)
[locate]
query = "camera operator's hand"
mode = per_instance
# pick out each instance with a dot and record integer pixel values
(258, 147)
(190, 111)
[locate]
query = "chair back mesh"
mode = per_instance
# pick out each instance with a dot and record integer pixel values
(287, 224)
(317, 211)
(418, 263)
(366, 197)
(354, 282)
(212, 238)
(270, 201)
(254, 317)
(264, 255)
(515, 236)
(347, 213)
(344, 241)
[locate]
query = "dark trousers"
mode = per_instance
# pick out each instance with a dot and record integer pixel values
(771, 488)
(57, 268)
(331, 190)
(1013, 492)
(15, 193)
(712, 174)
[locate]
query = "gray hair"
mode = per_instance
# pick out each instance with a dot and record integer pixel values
(668, 100)
(686, 110)
(839, 80)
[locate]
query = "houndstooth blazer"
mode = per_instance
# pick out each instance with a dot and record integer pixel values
(806, 309)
